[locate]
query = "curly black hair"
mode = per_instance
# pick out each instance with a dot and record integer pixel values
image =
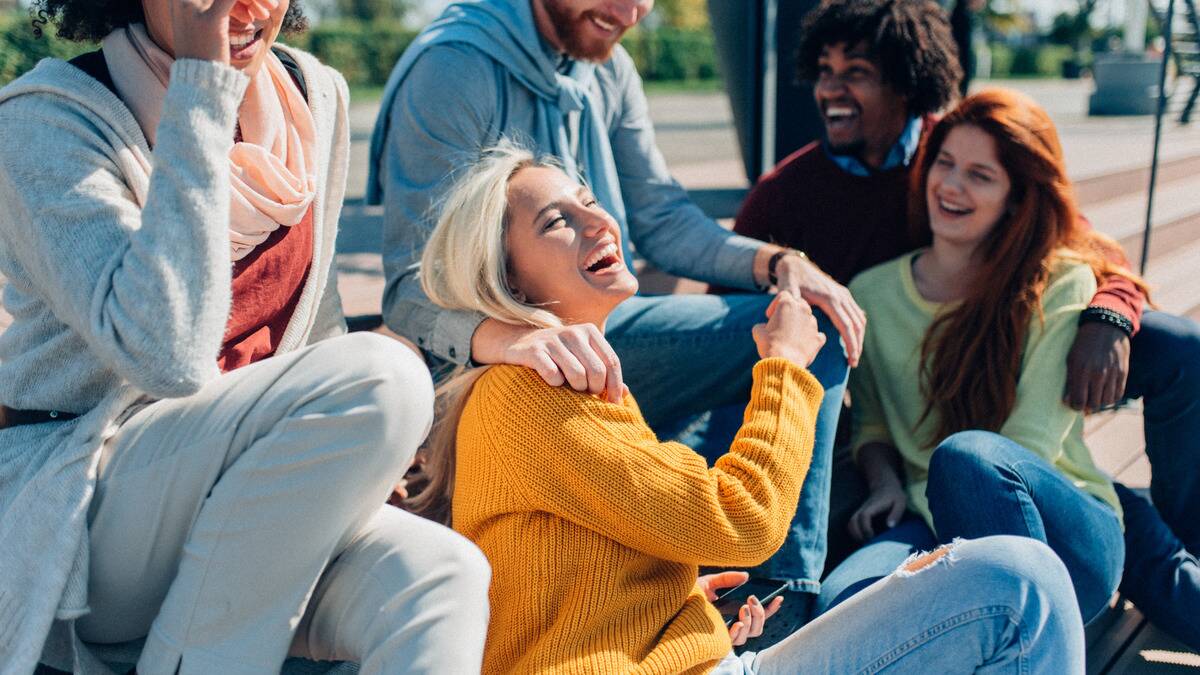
(91, 20)
(910, 39)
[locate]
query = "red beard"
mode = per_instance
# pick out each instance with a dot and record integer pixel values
(573, 32)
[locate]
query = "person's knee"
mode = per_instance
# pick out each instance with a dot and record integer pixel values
(466, 564)
(1174, 345)
(1020, 572)
(449, 563)
(385, 388)
(966, 451)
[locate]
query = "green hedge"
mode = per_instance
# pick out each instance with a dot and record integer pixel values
(672, 54)
(20, 49)
(1036, 61)
(365, 53)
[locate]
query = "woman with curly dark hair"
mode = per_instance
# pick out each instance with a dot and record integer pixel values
(191, 451)
(91, 21)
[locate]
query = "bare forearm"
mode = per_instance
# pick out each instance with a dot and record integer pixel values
(880, 464)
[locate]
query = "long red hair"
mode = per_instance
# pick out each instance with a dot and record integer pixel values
(971, 355)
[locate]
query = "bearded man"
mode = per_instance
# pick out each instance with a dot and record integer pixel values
(550, 74)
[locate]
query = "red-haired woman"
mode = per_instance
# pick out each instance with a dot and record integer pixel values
(959, 416)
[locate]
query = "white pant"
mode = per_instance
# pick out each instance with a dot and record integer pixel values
(246, 523)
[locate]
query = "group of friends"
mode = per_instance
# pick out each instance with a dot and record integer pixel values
(194, 453)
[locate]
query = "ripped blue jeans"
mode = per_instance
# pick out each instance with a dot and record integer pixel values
(980, 484)
(998, 605)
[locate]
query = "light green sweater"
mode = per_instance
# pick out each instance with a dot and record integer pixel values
(886, 389)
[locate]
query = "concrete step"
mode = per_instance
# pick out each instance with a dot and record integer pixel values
(1116, 441)
(1122, 217)
(1174, 279)
(1108, 634)
(1152, 651)
(1097, 189)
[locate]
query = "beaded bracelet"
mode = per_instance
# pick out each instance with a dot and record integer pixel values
(1099, 314)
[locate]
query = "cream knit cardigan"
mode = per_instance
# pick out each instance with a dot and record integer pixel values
(119, 286)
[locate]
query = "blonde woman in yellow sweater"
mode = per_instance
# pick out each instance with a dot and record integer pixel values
(595, 529)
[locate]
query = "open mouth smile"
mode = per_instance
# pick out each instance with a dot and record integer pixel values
(840, 115)
(604, 259)
(953, 209)
(603, 25)
(243, 43)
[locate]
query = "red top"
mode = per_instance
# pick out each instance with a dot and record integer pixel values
(847, 224)
(266, 288)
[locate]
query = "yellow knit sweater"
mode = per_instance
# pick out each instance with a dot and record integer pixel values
(595, 529)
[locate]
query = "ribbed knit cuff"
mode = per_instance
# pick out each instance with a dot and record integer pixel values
(214, 87)
(778, 380)
(777, 366)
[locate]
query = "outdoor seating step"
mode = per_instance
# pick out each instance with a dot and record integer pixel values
(1104, 186)
(1125, 216)
(1107, 635)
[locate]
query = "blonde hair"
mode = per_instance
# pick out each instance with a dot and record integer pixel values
(465, 267)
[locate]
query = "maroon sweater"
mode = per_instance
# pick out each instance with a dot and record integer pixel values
(847, 224)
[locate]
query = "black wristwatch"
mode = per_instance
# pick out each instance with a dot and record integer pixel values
(772, 277)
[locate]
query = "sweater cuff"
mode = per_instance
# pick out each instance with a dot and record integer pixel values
(214, 87)
(784, 378)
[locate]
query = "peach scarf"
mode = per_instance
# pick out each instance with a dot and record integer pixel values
(274, 172)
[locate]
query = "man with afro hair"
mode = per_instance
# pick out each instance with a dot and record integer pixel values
(882, 70)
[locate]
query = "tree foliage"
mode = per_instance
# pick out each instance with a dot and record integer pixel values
(686, 14)
(373, 10)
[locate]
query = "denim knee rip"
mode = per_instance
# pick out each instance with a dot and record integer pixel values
(919, 562)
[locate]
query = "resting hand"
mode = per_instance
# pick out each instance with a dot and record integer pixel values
(802, 278)
(790, 331)
(880, 466)
(201, 29)
(886, 499)
(1097, 367)
(751, 617)
(576, 355)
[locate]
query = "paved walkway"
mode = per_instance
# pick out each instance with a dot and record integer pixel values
(696, 134)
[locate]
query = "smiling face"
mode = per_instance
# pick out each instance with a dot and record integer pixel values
(967, 191)
(863, 115)
(587, 29)
(564, 250)
(249, 41)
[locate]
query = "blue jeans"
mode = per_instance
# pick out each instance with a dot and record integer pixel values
(1162, 575)
(688, 359)
(1164, 371)
(995, 605)
(981, 483)
(874, 561)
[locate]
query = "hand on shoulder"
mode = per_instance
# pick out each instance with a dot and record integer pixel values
(576, 355)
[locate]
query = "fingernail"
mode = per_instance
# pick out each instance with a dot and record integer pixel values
(891, 523)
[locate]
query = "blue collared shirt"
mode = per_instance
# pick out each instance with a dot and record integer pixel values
(900, 154)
